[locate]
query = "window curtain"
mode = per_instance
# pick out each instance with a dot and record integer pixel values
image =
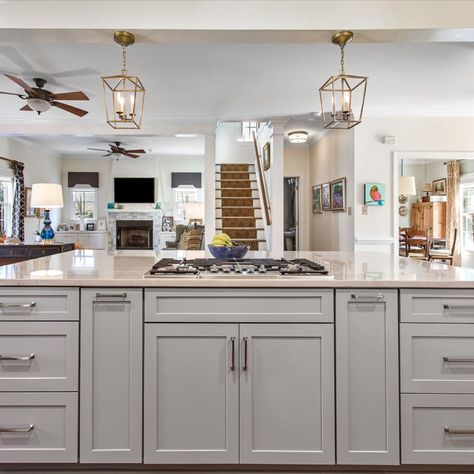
(18, 216)
(452, 212)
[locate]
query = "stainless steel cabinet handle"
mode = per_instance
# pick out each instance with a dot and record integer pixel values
(457, 359)
(25, 429)
(455, 431)
(111, 295)
(232, 364)
(459, 307)
(362, 296)
(28, 357)
(18, 305)
(246, 349)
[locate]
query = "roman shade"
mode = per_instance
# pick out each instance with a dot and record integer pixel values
(80, 177)
(186, 179)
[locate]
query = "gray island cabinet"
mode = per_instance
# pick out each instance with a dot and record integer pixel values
(156, 373)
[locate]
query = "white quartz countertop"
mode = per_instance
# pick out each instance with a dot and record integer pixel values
(95, 268)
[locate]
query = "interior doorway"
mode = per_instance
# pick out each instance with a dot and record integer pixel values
(291, 213)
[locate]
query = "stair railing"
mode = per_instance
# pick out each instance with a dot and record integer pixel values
(263, 183)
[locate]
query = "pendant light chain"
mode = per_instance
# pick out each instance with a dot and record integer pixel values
(342, 59)
(124, 60)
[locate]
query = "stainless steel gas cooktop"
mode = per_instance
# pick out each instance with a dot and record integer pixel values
(237, 268)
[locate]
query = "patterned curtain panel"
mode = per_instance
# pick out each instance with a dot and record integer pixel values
(452, 212)
(18, 217)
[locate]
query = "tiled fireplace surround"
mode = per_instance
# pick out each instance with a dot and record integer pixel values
(114, 215)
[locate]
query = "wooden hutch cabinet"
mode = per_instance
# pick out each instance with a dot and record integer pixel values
(431, 217)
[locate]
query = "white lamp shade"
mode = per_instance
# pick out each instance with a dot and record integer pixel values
(407, 186)
(194, 210)
(47, 195)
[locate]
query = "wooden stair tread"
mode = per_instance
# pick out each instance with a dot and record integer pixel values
(240, 228)
(239, 217)
(238, 207)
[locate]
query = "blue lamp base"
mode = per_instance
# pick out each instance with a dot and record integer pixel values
(47, 234)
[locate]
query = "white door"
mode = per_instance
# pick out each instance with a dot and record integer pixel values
(111, 375)
(367, 400)
(191, 394)
(287, 394)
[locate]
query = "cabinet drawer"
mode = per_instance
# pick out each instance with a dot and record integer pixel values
(11, 251)
(437, 358)
(437, 306)
(39, 304)
(239, 305)
(437, 429)
(42, 251)
(39, 356)
(45, 427)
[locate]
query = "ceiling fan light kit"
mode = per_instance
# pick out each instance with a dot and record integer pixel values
(342, 96)
(124, 94)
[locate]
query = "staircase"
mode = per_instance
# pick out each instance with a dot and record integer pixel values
(238, 210)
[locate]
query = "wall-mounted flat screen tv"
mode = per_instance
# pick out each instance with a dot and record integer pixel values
(134, 190)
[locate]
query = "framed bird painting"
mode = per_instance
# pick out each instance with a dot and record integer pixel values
(374, 194)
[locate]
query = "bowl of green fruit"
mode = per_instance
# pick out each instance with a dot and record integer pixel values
(222, 246)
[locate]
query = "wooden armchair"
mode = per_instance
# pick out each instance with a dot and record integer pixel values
(446, 255)
(412, 240)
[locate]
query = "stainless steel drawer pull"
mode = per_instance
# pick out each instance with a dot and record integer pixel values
(25, 429)
(232, 364)
(456, 432)
(458, 307)
(28, 357)
(111, 295)
(18, 305)
(457, 359)
(246, 349)
(377, 296)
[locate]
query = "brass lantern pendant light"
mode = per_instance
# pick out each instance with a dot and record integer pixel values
(343, 96)
(124, 94)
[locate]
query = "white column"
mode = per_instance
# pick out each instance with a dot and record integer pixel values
(210, 186)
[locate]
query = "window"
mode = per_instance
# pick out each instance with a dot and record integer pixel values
(83, 202)
(181, 196)
(467, 217)
(6, 205)
(247, 129)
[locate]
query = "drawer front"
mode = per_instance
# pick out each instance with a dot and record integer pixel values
(437, 358)
(437, 429)
(42, 251)
(39, 356)
(437, 306)
(39, 304)
(239, 305)
(11, 251)
(45, 427)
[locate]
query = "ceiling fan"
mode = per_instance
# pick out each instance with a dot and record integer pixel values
(116, 151)
(40, 100)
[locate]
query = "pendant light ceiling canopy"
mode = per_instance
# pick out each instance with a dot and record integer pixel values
(124, 94)
(342, 96)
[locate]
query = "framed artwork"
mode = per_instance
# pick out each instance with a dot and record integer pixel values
(29, 211)
(266, 156)
(90, 226)
(374, 194)
(338, 195)
(317, 201)
(326, 196)
(167, 223)
(439, 187)
(101, 225)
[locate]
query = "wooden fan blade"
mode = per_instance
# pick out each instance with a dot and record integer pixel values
(130, 155)
(135, 151)
(97, 149)
(70, 96)
(22, 84)
(27, 108)
(70, 109)
(13, 93)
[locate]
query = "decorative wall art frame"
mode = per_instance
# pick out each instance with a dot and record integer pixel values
(317, 199)
(338, 195)
(374, 194)
(266, 156)
(101, 224)
(326, 196)
(29, 211)
(90, 226)
(439, 187)
(167, 223)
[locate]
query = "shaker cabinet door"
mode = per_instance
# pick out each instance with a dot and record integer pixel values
(287, 394)
(191, 394)
(367, 400)
(111, 376)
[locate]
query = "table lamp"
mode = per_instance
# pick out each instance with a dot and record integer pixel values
(194, 212)
(427, 188)
(47, 196)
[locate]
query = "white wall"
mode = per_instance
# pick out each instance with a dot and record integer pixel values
(40, 167)
(297, 165)
(332, 157)
(229, 148)
(159, 167)
(374, 160)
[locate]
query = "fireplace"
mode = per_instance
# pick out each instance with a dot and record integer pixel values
(134, 234)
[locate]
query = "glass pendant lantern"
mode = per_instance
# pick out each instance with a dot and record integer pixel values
(342, 96)
(124, 94)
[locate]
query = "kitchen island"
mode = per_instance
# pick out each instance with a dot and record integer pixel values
(102, 366)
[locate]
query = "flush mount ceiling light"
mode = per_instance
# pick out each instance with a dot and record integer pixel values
(342, 96)
(124, 95)
(298, 136)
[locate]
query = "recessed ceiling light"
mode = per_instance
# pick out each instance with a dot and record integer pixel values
(298, 136)
(186, 135)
